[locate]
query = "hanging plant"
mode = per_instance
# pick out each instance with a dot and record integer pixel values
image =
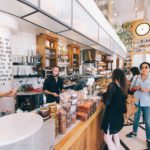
(125, 34)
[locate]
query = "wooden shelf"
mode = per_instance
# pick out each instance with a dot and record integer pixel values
(25, 76)
(74, 55)
(50, 48)
(23, 64)
(139, 44)
(140, 52)
(41, 39)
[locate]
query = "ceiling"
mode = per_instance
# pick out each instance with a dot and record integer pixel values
(27, 27)
(127, 10)
(122, 11)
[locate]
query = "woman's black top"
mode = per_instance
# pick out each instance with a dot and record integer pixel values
(114, 100)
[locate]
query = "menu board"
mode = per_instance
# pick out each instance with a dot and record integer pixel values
(6, 72)
(5, 61)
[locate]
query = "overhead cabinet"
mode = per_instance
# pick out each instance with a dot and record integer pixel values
(84, 23)
(104, 38)
(58, 9)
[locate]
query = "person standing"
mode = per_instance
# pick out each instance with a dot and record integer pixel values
(53, 86)
(142, 95)
(135, 72)
(115, 102)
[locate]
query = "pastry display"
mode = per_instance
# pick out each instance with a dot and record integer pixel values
(62, 121)
(82, 116)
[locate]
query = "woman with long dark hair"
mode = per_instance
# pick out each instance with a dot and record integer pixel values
(114, 100)
(142, 95)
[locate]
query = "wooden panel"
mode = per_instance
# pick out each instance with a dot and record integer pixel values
(41, 49)
(86, 135)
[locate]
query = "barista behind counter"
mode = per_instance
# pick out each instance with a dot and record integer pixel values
(53, 86)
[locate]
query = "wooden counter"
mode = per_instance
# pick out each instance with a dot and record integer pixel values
(86, 135)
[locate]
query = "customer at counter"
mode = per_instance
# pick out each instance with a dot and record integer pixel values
(115, 102)
(53, 86)
(135, 72)
(142, 95)
(10, 93)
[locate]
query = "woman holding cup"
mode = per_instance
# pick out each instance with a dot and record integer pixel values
(142, 95)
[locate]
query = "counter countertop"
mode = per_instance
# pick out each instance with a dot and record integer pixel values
(66, 141)
(71, 84)
(17, 127)
(28, 93)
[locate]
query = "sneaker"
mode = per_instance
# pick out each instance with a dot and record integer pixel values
(148, 144)
(131, 134)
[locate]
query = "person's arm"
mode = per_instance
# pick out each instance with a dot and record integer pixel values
(145, 89)
(8, 94)
(50, 93)
(62, 86)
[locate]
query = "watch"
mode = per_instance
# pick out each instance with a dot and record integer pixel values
(142, 29)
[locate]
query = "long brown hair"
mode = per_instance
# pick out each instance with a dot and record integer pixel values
(119, 75)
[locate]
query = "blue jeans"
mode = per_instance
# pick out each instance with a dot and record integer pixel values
(146, 115)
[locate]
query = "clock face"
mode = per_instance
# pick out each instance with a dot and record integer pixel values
(143, 29)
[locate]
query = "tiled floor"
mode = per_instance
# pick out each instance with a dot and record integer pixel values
(137, 143)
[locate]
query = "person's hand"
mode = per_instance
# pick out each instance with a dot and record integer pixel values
(137, 87)
(145, 90)
(11, 93)
(55, 94)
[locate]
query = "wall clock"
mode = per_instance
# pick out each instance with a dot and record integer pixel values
(142, 29)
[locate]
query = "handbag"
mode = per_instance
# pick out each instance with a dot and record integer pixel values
(131, 108)
(132, 90)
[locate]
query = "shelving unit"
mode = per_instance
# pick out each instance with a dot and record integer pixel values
(23, 68)
(24, 76)
(47, 48)
(23, 64)
(74, 55)
(139, 46)
(62, 57)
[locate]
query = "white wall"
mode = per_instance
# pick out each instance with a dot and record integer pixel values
(7, 26)
(138, 59)
(114, 61)
(148, 57)
(23, 44)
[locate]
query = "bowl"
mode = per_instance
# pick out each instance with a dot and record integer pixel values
(44, 112)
